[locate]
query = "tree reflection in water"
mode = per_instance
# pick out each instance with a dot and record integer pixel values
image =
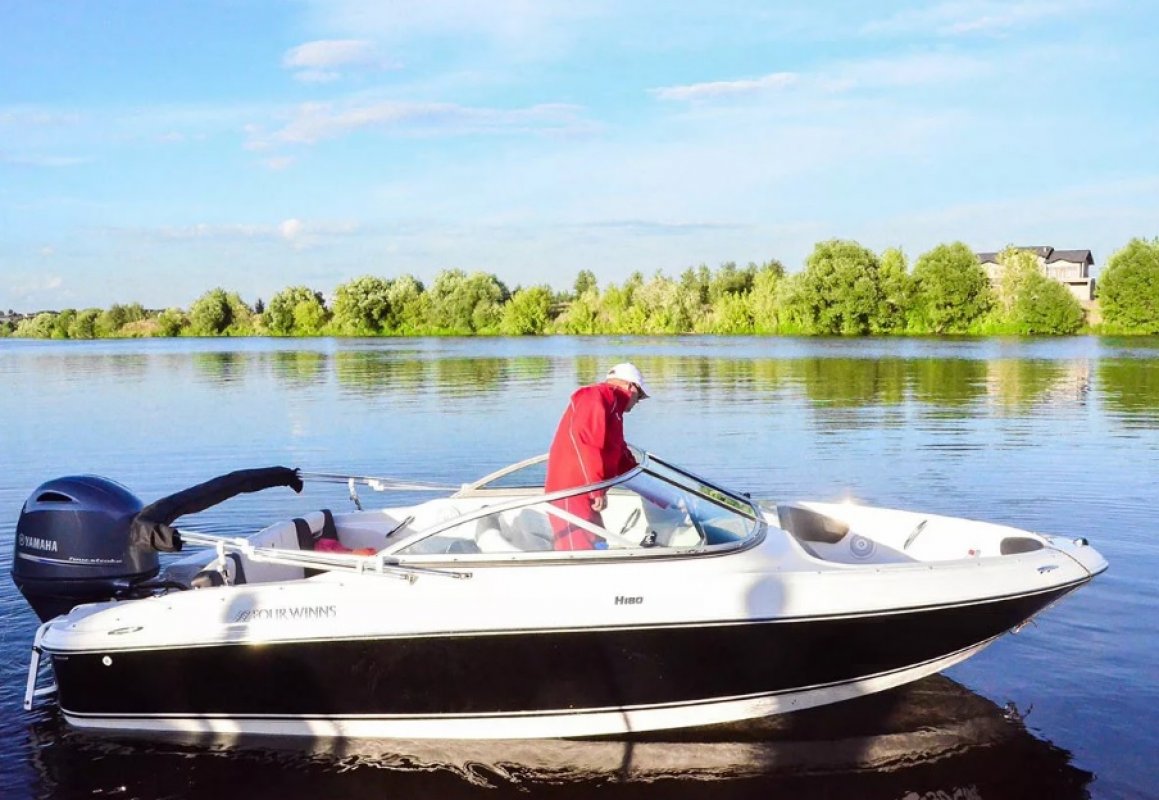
(299, 369)
(1130, 389)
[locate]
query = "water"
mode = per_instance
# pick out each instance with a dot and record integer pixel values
(1059, 435)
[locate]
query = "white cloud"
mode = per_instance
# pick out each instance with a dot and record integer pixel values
(644, 227)
(279, 163)
(513, 23)
(290, 229)
(716, 89)
(315, 122)
(295, 232)
(35, 117)
(961, 17)
(36, 160)
(35, 288)
(331, 53)
(328, 60)
(908, 70)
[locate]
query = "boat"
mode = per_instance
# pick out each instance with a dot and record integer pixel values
(454, 617)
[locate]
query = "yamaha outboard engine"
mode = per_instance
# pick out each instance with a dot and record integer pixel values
(73, 545)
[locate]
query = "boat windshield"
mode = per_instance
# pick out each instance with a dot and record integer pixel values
(653, 509)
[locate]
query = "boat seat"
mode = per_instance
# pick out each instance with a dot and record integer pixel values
(233, 574)
(308, 537)
(301, 533)
(463, 546)
(529, 531)
(526, 532)
(490, 539)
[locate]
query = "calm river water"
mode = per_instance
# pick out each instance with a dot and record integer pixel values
(1059, 435)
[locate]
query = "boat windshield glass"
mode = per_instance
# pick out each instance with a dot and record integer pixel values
(530, 474)
(654, 511)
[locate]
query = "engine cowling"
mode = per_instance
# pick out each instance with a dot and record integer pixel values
(73, 546)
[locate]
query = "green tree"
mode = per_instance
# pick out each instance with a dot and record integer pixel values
(409, 305)
(362, 307)
(585, 282)
(581, 318)
(617, 313)
(135, 312)
(212, 314)
(39, 327)
(527, 313)
(242, 316)
(310, 317)
(1028, 302)
(111, 320)
(1016, 270)
(462, 304)
(1128, 289)
(728, 279)
(171, 322)
(694, 285)
(659, 302)
(896, 290)
(951, 290)
(63, 323)
(764, 308)
(84, 325)
(1045, 306)
(281, 314)
(729, 314)
(839, 292)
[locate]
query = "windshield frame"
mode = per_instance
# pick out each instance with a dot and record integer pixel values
(752, 513)
(521, 497)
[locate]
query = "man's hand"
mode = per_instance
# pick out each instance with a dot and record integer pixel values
(599, 502)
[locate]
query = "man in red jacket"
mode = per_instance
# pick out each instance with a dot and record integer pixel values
(588, 448)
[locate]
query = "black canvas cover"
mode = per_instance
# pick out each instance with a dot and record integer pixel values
(152, 527)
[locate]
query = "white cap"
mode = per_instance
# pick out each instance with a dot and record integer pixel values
(628, 372)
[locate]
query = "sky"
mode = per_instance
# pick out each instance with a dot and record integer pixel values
(151, 150)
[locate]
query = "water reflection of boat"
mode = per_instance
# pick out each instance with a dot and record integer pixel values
(705, 607)
(932, 738)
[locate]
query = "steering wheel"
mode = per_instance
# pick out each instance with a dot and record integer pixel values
(688, 512)
(699, 530)
(635, 515)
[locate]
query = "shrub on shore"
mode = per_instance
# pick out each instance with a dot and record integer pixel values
(845, 289)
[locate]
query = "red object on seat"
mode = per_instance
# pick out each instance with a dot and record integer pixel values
(335, 546)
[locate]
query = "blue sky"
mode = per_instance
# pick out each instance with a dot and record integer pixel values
(152, 150)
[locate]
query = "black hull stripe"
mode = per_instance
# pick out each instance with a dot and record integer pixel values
(529, 674)
(523, 715)
(1059, 590)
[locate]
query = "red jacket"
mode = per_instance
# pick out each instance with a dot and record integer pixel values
(588, 448)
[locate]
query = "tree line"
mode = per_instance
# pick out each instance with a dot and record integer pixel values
(844, 289)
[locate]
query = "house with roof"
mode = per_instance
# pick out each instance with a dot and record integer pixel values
(1069, 267)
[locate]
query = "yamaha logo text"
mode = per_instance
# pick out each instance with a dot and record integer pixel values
(36, 543)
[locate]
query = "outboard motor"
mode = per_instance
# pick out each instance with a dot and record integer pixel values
(73, 545)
